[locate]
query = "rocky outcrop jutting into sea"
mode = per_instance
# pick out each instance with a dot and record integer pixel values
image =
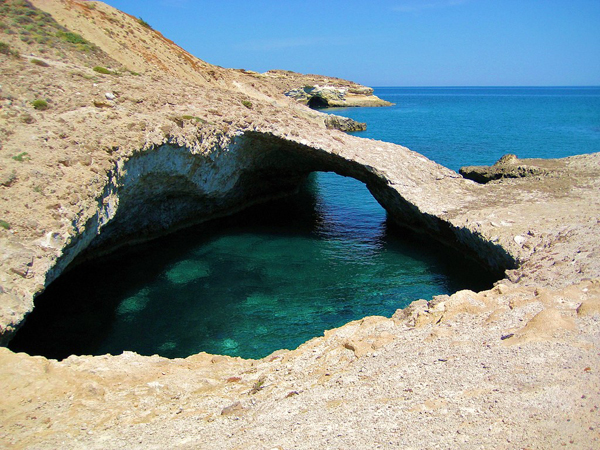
(318, 91)
(132, 142)
(334, 96)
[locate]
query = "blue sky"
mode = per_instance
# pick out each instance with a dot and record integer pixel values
(391, 42)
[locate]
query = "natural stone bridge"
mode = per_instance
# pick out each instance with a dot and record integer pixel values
(122, 158)
(168, 187)
(545, 225)
(165, 186)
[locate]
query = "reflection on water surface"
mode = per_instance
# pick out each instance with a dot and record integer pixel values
(271, 277)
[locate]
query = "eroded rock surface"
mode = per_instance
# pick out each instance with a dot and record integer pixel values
(346, 124)
(335, 94)
(318, 91)
(509, 166)
(513, 367)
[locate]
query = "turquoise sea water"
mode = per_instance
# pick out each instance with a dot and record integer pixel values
(277, 275)
(271, 277)
(475, 126)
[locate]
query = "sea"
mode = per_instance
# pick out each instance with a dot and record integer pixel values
(459, 126)
(279, 274)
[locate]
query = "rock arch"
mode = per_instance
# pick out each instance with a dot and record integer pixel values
(169, 187)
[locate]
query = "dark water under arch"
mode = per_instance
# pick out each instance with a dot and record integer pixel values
(271, 277)
(332, 243)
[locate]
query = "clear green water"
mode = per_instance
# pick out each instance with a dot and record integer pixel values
(272, 277)
(276, 276)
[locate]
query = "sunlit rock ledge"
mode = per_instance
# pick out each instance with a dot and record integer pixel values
(335, 96)
(318, 91)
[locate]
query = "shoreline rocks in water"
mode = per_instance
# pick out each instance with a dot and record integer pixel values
(333, 122)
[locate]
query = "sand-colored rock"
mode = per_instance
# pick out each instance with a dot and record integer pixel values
(544, 325)
(589, 308)
(512, 367)
(509, 166)
(335, 93)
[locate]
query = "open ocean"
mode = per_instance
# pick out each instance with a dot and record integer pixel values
(458, 126)
(277, 275)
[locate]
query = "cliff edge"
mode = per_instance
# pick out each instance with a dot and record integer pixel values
(318, 91)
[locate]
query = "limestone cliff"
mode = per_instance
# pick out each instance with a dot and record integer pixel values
(318, 91)
(331, 96)
(102, 146)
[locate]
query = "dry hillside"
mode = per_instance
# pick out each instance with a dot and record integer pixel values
(145, 50)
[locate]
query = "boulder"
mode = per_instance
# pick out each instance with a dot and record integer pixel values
(346, 124)
(508, 166)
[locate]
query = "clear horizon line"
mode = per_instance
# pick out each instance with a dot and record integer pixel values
(490, 86)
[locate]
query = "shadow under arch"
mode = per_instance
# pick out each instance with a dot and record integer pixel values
(270, 277)
(168, 188)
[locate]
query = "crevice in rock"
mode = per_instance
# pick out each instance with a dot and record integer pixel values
(317, 102)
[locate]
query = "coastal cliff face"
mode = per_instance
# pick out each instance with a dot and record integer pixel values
(318, 91)
(335, 96)
(164, 140)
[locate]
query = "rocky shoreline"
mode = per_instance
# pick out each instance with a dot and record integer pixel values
(119, 155)
(332, 96)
